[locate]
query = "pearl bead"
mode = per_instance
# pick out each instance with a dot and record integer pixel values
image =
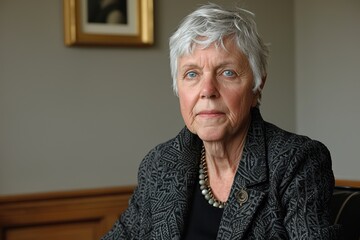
(204, 192)
(204, 185)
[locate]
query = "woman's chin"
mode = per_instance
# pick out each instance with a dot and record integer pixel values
(210, 136)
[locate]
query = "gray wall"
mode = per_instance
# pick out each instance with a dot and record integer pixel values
(327, 78)
(74, 118)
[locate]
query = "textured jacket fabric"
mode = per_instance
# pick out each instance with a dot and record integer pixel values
(288, 179)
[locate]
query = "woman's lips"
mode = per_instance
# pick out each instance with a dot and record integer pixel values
(209, 113)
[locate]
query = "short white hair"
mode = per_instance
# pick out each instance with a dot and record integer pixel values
(211, 24)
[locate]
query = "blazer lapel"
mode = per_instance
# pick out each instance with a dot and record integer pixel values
(237, 218)
(175, 189)
(245, 196)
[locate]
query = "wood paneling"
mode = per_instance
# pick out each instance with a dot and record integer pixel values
(347, 183)
(85, 214)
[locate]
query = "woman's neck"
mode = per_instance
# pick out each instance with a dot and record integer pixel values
(222, 160)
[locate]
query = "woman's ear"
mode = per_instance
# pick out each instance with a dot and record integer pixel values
(258, 93)
(263, 80)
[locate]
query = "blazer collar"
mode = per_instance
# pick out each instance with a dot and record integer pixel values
(253, 167)
(245, 196)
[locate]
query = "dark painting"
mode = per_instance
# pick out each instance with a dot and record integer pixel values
(107, 11)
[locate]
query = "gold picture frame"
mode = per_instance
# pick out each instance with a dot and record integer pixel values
(138, 29)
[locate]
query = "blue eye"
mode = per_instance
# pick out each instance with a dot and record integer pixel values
(228, 73)
(191, 74)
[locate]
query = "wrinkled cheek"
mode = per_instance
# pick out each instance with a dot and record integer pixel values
(184, 110)
(187, 103)
(188, 116)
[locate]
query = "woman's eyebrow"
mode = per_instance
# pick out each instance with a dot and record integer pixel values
(187, 66)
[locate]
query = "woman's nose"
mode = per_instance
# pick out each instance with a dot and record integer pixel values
(209, 88)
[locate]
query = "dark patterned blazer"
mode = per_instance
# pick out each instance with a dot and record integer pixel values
(288, 179)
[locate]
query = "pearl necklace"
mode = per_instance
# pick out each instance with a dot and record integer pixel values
(205, 185)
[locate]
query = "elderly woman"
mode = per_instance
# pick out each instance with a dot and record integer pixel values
(228, 174)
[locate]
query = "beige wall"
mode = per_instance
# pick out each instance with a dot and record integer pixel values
(327, 78)
(75, 118)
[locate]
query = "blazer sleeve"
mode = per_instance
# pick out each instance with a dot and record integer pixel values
(133, 221)
(128, 222)
(309, 183)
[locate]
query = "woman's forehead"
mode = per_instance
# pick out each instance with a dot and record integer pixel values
(229, 52)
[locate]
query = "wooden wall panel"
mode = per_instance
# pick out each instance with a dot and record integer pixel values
(68, 231)
(80, 215)
(347, 183)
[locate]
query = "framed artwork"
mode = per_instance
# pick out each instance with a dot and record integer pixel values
(108, 22)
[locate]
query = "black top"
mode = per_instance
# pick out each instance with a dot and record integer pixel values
(204, 219)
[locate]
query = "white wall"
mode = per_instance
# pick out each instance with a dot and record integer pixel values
(327, 78)
(74, 118)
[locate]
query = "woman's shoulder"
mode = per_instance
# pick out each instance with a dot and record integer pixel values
(288, 148)
(276, 137)
(183, 141)
(183, 144)
(281, 138)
